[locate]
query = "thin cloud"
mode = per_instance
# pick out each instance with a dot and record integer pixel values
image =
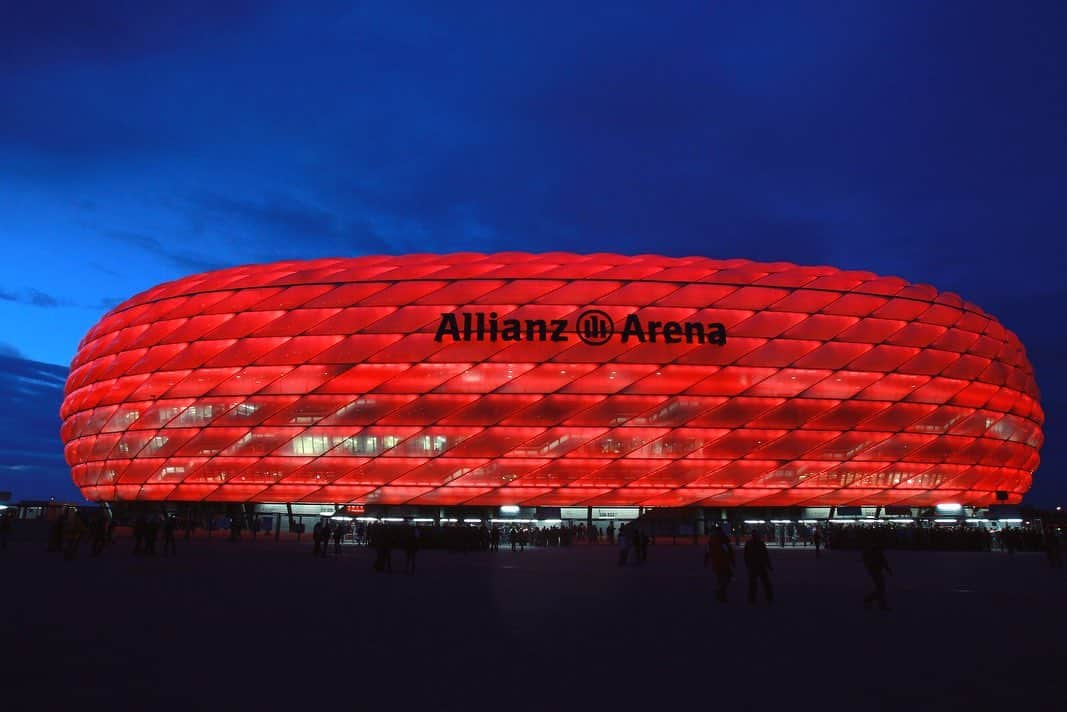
(187, 261)
(32, 297)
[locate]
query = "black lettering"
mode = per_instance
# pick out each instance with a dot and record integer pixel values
(466, 326)
(538, 324)
(694, 328)
(717, 334)
(652, 326)
(632, 327)
(558, 325)
(511, 331)
(481, 326)
(672, 332)
(492, 326)
(448, 326)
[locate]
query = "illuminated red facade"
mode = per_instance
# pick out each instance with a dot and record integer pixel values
(364, 381)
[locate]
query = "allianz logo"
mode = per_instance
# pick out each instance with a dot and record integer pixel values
(593, 327)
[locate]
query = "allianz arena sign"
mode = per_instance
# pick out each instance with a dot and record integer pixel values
(551, 380)
(593, 326)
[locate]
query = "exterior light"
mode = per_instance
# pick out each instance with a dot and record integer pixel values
(567, 429)
(949, 508)
(509, 509)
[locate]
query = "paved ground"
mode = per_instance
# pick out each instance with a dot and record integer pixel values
(247, 626)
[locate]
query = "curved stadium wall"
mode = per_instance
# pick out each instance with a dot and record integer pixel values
(550, 379)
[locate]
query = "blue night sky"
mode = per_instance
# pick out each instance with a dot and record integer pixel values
(140, 142)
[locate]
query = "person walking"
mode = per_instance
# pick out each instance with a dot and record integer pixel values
(140, 532)
(316, 536)
(327, 532)
(624, 540)
(877, 566)
(98, 533)
(151, 534)
(383, 544)
(1053, 550)
(170, 547)
(73, 530)
(816, 539)
(758, 564)
(5, 529)
(721, 557)
(338, 535)
(411, 548)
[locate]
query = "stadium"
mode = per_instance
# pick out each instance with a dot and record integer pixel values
(551, 386)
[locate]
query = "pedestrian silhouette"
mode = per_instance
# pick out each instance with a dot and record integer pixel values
(877, 566)
(1053, 549)
(721, 557)
(151, 535)
(625, 543)
(73, 530)
(5, 530)
(98, 533)
(411, 548)
(383, 545)
(758, 564)
(170, 548)
(140, 531)
(316, 536)
(338, 534)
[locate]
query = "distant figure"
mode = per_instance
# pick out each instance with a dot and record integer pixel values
(98, 533)
(641, 541)
(721, 557)
(327, 532)
(494, 539)
(384, 561)
(5, 530)
(1053, 548)
(170, 547)
(338, 534)
(73, 530)
(758, 563)
(140, 530)
(624, 545)
(151, 535)
(611, 532)
(875, 562)
(816, 539)
(411, 547)
(316, 536)
(635, 544)
(55, 534)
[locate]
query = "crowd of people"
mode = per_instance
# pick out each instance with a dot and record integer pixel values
(719, 556)
(1025, 537)
(71, 528)
(157, 534)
